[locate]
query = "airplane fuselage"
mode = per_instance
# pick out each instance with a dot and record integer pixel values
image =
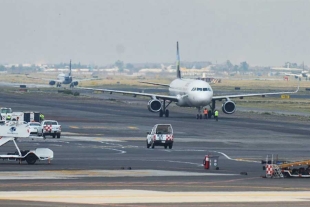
(64, 78)
(191, 93)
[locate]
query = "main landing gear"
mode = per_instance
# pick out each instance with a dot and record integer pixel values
(164, 110)
(58, 85)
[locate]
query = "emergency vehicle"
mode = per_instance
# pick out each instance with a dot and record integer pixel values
(10, 131)
(161, 135)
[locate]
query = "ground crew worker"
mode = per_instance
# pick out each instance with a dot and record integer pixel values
(216, 115)
(8, 117)
(205, 112)
(41, 117)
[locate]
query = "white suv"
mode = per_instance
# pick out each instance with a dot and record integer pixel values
(35, 128)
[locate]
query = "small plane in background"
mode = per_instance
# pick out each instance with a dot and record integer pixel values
(66, 79)
(187, 93)
(303, 74)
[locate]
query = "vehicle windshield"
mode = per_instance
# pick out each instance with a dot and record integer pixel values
(34, 124)
(50, 123)
(5, 111)
(164, 129)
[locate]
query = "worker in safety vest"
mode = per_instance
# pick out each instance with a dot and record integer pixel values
(205, 112)
(216, 115)
(8, 117)
(41, 117)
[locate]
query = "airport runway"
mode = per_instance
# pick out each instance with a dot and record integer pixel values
(102, 159)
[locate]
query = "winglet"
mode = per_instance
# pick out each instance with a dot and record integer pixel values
(178, 62)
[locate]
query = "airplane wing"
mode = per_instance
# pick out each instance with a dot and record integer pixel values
(156, 84)
(31, 77)
(290, 74)
(150, 95)
(86, 79)
(253, 94)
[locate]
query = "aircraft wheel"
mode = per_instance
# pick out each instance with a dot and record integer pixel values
(197, 116)
(167, 113)
(161, 113)
(200, 116)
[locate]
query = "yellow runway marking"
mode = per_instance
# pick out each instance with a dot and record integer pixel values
(74, 127)
(132, 127)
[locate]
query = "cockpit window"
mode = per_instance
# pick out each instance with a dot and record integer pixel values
(206, 89)
(199, 89)
(193, 89)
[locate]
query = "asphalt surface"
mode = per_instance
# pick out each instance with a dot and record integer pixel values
(103, 147)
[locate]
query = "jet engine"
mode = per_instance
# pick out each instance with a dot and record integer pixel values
(52, 83)
(228, 107)
(154, 105)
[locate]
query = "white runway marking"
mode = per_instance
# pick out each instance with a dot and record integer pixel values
(238, 160)
(144, 196)
(121, 151)
(191, 163)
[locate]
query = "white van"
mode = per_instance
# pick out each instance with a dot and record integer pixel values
(161, 135)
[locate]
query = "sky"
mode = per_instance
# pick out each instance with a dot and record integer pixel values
(261, 32)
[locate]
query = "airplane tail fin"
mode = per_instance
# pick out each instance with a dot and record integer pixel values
(178, 62)
(70, 69)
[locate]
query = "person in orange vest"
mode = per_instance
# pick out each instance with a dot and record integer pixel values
(205, 112)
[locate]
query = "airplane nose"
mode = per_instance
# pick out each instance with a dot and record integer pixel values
(202, 99)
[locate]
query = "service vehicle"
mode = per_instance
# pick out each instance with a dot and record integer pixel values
(5, 112)
(161, 135)
(35, 128)
(11, 130)
(51, 128)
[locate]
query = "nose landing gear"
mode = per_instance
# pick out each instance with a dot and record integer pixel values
(199, 115)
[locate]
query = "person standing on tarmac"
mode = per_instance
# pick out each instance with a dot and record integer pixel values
(216, 115)
(205, 112)
(8, 117)
(41, 117)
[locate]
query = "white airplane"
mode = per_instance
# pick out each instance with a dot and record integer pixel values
(303, 74)
(65, 79)
(187, 93)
